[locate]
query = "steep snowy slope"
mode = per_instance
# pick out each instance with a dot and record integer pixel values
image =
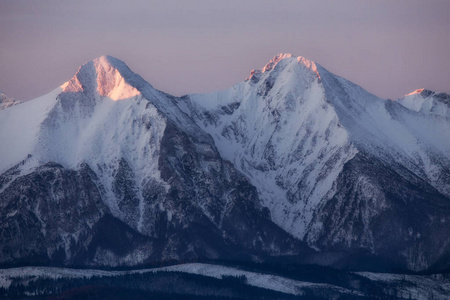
(279, 130)
(19, 133)
(336, 165)
(107, 151)
(418, 142)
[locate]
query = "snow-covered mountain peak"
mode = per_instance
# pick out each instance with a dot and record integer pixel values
(422, 92)
(109, 76)
(107, 62)
(280, 62)
(277, 58)
(293, 126)
(279, 129)
(427, 102)
(84, 111)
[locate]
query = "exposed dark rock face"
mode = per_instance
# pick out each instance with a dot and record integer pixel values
(208, 191)
(376, 209)
(47, 216)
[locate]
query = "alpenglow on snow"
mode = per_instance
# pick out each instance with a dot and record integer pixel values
(292, 161)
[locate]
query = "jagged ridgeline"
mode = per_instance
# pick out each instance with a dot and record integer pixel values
(292, 163)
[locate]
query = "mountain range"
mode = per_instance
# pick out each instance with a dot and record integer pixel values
(294, 163)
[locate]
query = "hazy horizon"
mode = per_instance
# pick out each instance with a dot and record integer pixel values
(182, 47)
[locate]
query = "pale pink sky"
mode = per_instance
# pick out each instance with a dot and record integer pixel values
(389, 47)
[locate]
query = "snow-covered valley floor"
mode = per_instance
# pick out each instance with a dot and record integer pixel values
(405, 286)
